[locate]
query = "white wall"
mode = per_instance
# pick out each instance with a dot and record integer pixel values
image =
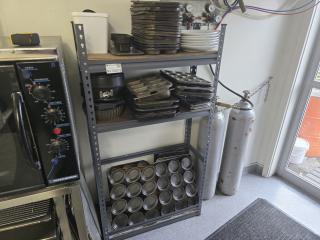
(250, 56)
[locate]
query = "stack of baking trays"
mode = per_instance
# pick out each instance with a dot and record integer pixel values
(141, 191)
(108, 95)
(150, 98)
(156, 26)
(194, 93)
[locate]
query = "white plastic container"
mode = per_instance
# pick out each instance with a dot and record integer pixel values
(95, 30)
(299, 151)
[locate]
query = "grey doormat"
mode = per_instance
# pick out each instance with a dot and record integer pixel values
(261, 220)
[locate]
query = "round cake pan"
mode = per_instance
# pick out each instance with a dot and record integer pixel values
(135, 204)
(148, 173)
(120, 221)
(119, 207)
(116, 176)
(152, 214)
(161, 169)
(176, 180)
(118, 191)
(165, 198)
(133, 175)
(178, 194)
(149, 188)
(173, 166)
(163, 183)
(191, 190)
(134, 189)
(150, 202)
(135, 218)
(188, 176)
(186, 163)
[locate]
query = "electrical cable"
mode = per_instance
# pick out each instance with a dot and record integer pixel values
(286, 12)
(232, 91)
(280, 13)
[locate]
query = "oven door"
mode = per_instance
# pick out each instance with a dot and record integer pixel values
(20, 168)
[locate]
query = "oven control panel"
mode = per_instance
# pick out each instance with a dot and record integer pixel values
(47, 108)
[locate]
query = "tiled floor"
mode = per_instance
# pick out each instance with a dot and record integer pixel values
(220, 209)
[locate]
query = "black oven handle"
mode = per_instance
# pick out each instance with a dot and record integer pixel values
(27, 141)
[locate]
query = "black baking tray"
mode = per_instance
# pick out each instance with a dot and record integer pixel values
(156, 3)
(155, 115)
(160, 103)
(156, 35)
(156, 46)
(149, 28)
(194, 94)
(188, 80)
(155, 10)
(156, 20)
(195, 89)
(155, 109)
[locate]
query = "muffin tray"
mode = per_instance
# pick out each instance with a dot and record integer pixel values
(194, 93)
(186, 79)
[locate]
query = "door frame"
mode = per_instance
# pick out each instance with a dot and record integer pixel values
(300, 107)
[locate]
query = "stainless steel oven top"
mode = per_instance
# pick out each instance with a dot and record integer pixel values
(46, 50)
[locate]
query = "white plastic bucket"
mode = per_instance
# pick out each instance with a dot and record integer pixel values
(299, 151)
(95, 30)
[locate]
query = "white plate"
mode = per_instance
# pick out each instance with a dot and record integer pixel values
(199, 50)
(199, 32)
(199, 46)
(200, 38)
(200, 41)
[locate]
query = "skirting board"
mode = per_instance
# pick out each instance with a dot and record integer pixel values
(254, 168)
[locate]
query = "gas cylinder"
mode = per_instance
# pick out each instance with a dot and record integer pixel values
(214, 151)
(239, 130)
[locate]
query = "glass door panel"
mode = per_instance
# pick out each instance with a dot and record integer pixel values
(304, 160)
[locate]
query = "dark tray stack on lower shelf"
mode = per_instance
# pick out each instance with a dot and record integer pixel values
(194, 93)
(142, 192)
(150, 98)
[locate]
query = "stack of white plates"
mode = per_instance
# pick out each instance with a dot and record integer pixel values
(199, 40)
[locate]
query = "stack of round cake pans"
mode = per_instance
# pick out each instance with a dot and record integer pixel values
(150, 98)
(156, 26)
(194, 93)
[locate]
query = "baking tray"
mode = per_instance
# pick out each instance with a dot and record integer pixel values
(195, 89)
(155, 115)
(156, 3)
(194, 94)
(161, 103)
(155, 109)
(186, 79)
(155, 30)
(157, 20)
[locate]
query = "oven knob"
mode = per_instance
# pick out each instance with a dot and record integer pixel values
(41, 92)
(58, 146)
(53, 115)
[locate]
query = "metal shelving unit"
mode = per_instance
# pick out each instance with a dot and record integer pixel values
(93, 63)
